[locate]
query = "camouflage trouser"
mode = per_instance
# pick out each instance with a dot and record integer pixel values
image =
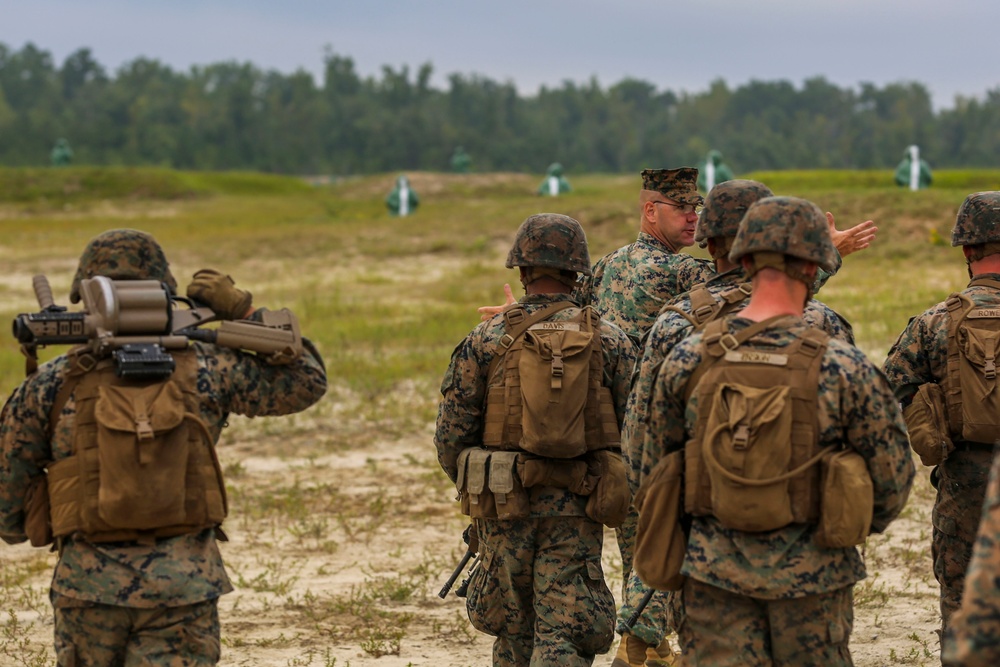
(961, 485)
(95, 635)
(540, 591)
(652, 626)
(722, 629)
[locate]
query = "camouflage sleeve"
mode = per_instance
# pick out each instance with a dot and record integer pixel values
(24, 449)
(973, 638)
(817, 314)
(918, 356)
(870, 422)
(463, 395)
(822, 275)
(666, 421)
(668, 330)
(619, 358)
(693, 271)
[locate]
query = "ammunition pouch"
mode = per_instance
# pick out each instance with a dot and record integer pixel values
(494, 484)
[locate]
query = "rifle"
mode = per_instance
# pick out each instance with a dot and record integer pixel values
(471, 537)
(641, 607)
(138, 321)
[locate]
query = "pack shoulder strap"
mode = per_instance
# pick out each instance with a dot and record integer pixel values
(518, 321)
(985, 282)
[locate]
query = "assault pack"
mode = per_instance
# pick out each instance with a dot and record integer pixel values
(706, 308)
(966, 406)
(549, 420)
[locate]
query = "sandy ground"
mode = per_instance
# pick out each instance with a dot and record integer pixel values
(341, 540)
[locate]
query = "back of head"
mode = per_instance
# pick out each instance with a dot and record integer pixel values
(550, 240)
(786, 226)
(978, 220)
(680, 185)
(725, 206)
(122, 254)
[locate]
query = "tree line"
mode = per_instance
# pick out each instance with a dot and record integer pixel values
(236, 116)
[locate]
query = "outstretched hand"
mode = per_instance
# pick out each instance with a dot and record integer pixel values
(487, 312)
(854, 239)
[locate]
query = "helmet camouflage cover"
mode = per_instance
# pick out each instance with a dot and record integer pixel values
(978, 220)
(122, 254)
(787, 225)
(550, 240)
(725, 206)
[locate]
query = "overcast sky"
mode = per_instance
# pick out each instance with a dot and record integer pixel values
(950, 46)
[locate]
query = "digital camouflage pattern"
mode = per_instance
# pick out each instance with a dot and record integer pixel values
(669, 329)
(541, 592)
(790, 226)
(122, 254)
(978, 220)
(920, 356)
(90, 634)
(856, 408)
(973, 638)
(725, 206)
(629, 286)
(460, 424)
(681, 184)
(551, 240)
(722, 629)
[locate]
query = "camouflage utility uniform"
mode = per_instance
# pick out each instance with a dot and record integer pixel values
(920, 356)
(973, 638)
(775, 597)
(118, 601)
(541, 588)
(670, 328)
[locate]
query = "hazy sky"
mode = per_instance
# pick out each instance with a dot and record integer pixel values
(949, 46)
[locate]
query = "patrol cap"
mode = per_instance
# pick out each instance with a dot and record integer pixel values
(789, 226)
(978, 219)
(122, 254)
(551, 240)
(681, 184)
(725, 206)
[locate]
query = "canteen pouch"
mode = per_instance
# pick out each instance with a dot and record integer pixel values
(747, 451)
(660, 542)
(143, 449)
(847, 500)
(554, 368)
(37, 517)
(610, 499)
(927, 424)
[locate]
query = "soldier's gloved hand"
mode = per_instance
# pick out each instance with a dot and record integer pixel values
(219, 292)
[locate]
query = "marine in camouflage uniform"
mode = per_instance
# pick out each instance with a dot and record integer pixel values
(776, 597)
(730, 291)
(120, 603)
(920, 356)
(540, 588)
(629, 286)
(973, 638)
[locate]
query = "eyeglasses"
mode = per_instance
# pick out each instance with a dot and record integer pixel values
(685, 209)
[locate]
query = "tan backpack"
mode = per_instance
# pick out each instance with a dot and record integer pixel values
(546, 393)
(973, 399)
(752, 462)
(706, 308)
(143, 465)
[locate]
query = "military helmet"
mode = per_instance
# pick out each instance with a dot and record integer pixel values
(122, 254)
(978, 220)
(787, 225)
(725, 206)
(551, 240)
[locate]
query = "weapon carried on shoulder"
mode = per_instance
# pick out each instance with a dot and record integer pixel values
(471, 537)
(138, 321)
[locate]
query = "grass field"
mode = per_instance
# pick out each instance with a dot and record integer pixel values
(343, 525)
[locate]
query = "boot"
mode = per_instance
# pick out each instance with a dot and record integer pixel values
(633, 652)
